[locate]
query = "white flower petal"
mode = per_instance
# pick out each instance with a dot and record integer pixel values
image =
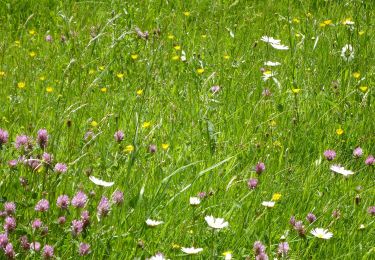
(191, 250)
(100, 182)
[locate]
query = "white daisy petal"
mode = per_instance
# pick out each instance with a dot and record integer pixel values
(191, 250)
(216, 223)
(100, 182)
(321, 233)
(268, 204)
(153, 223)
(341, 170)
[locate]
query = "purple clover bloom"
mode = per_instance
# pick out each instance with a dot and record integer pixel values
(47, 158)
(37, 224)
(85, 217)
(48, 251)
(329, 155)
(61, 220)
(252, 183)
(357, 152)
(300, 228)
(283, 248)
(261, 256)
(259, 248)
(77, 227)
(119, 136)
(84, 249)
(42, 138)
(3, 240)
(371, 210)
(35, 246)
(63, 202)
(370, 160)
(13, 163)
(79, 200)
(10, 208)
(42, 205)
(9, 224)
(103, 207)
(118, 197)
(4, 136)
(22, 141)
(215, 89)
(260, 167)
(24, 242)
(311, 217)
(9, 251)
(152, 148)
(49, 38)
(60, 168)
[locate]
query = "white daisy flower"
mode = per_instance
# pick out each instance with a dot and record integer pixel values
(217, 223)
(272, 63)
(341, 170)
(100, 182)
(268, 204)
(270, 40)
(194, 201)
(321, 233)
(191, 250)
(153, 223)
(279, 46)
(347, 52)
(158, 256)
(268, 74)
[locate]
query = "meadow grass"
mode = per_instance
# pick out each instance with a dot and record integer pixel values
(83, 70)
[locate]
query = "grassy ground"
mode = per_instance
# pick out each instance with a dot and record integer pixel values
(96, 75)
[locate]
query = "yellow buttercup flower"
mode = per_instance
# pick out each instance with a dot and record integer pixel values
(200, 70)
(339, 131)
(363, 89)
(32, 32)
(32, 54)
(2, 73)
(327, 22)
(17, 43)
(42, 78)
(101, 68)
(175, 57)
(120, 75)
(146, 124)
(21, 85)
(177, 47)
(295, 20)
(170, 36)
(360, 33)
(129, 148)
(356, 75)
(175, 246)
(49, 89)
(187, 13)
(103, 90)
(273, 123)
(204, 36)
(165, 146)
(91, 71)
(94, 124)
(226, 57)
(276, 196)
(139, 92)
(296, 90)
(134, 56)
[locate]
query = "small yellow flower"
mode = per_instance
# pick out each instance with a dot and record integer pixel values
(298, 35)
(177, 47)
(17, 43)
(103, 90)
(49, 89)
(363, 88)
(204, 36)
(170, 36)
(32, 32)
(175, 57)
(187, 13)
(322, 25)
(32, 54)
(120, 75)
(129, 148)
(200, 70)
(94, 124)
(101, 68)
(21, 85)
(296, 90)
(165, 146)
(146, 124)
(226, 56)
(134, 56)
(295, 20)
(2, 73)
(327, 22)
(140, 92)
(175, 246)
(356, 75)
(42, 78)
(273, 123)
(339, 131)
(360, 33)
(91, 71)
(276, 196)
